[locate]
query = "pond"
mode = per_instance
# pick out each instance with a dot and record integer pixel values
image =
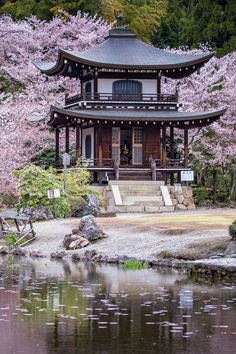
(49, 307)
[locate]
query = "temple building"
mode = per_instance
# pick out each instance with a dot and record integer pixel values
(125, 127)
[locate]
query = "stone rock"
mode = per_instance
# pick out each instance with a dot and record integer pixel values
(58, 255)
(174, 201)
(18, 251)
(207, 203)
(4, 249)
(91, 207)
(231, 249)
(180, 207)
(191, 207)
(187, 192)
(40, 213)
(79, 242)
(74, 241)
(76, 257)
(36, 253)
(90, 254)
(180, 198)
(89, 229)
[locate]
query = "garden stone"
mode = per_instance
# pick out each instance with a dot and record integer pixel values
(18, 251)
(58, 255)
(39, 214)
(180, 207)
(36, 253)
(4, 249)
(79, 242)
(90, 207)
(231, 249)
(191, 207)
(180, 198)
(207, 203)
(89, 229)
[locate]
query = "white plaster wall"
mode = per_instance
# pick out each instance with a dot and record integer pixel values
(85, 132)
(105, 86)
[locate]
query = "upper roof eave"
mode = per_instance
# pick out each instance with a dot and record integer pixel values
(54, 68)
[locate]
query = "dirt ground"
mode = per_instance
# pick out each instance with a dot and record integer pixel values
(188, 235)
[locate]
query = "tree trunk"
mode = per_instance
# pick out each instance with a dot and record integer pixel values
(214, 185)
(233, 187)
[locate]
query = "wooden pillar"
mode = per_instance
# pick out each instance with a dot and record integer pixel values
(57, 138)
(186, 147)
(77, 141)
(95, 86)
(158, 85)
(164, 146)
(100, 157)
(67, 140)
(172, 153)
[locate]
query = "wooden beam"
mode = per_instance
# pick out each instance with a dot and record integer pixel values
(57, 139)
(67, 140)
(186, 147)
(77, 141)
(164, 164)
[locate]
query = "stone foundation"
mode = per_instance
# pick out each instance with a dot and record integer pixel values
(182, 197)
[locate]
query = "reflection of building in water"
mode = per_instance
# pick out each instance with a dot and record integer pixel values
(186, 299)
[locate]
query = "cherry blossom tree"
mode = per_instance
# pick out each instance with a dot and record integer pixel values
(24, 91)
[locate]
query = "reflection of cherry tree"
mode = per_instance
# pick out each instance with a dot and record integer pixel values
(24, 91)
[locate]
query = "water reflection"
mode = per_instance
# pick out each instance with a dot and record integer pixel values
(62, 307)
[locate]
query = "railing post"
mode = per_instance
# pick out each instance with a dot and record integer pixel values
(186, 147)
(116, 168)
(153, 169)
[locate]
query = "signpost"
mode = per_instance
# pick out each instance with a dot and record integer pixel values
(53, 194)
(66, 162)
(187, 176)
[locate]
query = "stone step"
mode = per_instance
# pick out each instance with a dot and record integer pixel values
(129, 209)
(160, 209)
(145, 183)
(139, 191)
(145, 204)
(142, 209)
(141, 198)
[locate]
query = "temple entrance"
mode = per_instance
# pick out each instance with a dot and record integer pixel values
(126, 146)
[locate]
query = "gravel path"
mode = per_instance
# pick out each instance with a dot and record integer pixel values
(140, 236)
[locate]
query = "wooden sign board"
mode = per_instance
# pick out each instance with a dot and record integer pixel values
(187, 176)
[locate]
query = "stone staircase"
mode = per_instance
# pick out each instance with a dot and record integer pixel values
(138, 197)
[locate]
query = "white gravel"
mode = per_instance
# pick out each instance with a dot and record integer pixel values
(122, 238)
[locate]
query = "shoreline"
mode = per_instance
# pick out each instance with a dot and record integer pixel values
(158, 240)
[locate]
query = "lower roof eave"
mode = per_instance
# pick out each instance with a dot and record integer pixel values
(63, 117)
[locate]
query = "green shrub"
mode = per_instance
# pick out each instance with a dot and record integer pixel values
(133, 265)
(34, 183)
(232, 230)
(200, 193)
(222, 196)
(45, 159)
(10, 238)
